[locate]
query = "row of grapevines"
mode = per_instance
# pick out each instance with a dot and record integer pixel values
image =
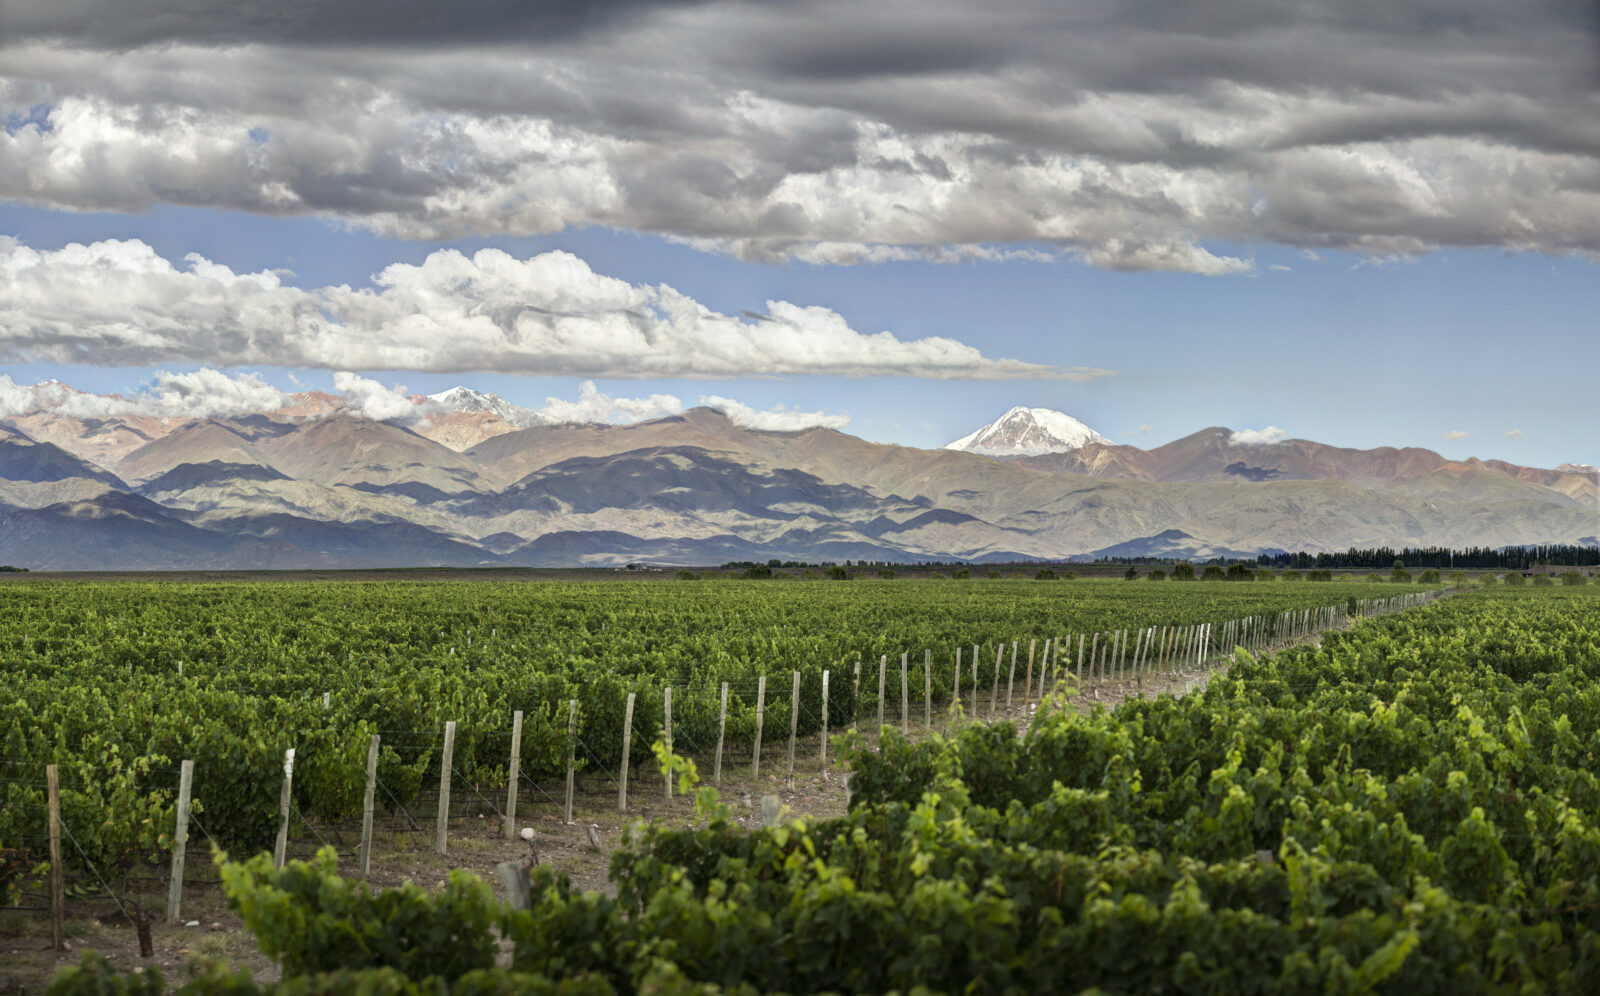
(231, 675)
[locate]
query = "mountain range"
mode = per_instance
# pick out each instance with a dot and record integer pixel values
(471, 479)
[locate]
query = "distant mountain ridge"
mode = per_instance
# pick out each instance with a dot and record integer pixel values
(321, 487)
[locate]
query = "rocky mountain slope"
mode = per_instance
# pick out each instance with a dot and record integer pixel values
(325, 488)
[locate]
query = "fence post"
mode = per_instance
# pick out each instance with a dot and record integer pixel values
(515, 772)
(441, 841)
(994, 689)
(905, 695)
(927, 689)
(1011, 676)
(180, 840)
(1027, 684)
(794, 725)
(761, 710)
(367, 803)
(883, 679)
(666, 706)
(280, 849)
(974, 684)
(855, 694)
(57, 882)
(722, 727)
(572, 751)
(1080, 662)
(627, 746)
(955, 697)
(824, 723)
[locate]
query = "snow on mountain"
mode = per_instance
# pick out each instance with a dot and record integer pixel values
(1578, 468)
(1028, 432)
(465, 399)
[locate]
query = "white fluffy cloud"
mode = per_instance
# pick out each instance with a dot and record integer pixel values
(370, 398)
(1513, 433)
(1455, 434)
(594, 405)
(778, 418)
(14, 398)
(120, 303)
(829, 131)
(1258, 437)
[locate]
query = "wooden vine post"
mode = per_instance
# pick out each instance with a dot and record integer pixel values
(514, 770)
(368, 804)
(180, 841)
(627, 747)
(441, 837)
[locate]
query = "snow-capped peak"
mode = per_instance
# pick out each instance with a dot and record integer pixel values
(1028, 432)
(465, 399)
(1578, 468)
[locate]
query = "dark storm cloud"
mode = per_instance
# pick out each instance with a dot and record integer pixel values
(1128, 134)
(121, 24)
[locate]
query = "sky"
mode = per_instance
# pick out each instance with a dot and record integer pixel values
(1361, 223)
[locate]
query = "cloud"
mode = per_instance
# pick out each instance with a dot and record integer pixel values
(119, 24)
(1279, 267)
(595, 406)
(1147, 429)
(1126, 136)
(1514, 433)
(14, 398)
(1455, 434)
(1257, 437)
(778, 418)
(203, 393)
(370, 398)
(120, 303)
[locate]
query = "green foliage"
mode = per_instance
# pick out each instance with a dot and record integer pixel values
(886, 573)
(93, 975)
(1291, 576)
(758, 571)
(1399, 576)
(1044, 574)
(1215, 573)
(685, 575)
(1573, 579)
(1156, 576)
(1238, 572)
(1131, 574)
(1319, 575)
(962, 574)
(992, 574)
(1428, 577)
(837, 573)
(1543, 581)
(92, 678)
(1408, 807)
(1183, 571)
(1515, 579)
(312, 920)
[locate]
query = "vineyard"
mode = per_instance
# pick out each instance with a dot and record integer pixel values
(1408, 806)
(117, 683)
